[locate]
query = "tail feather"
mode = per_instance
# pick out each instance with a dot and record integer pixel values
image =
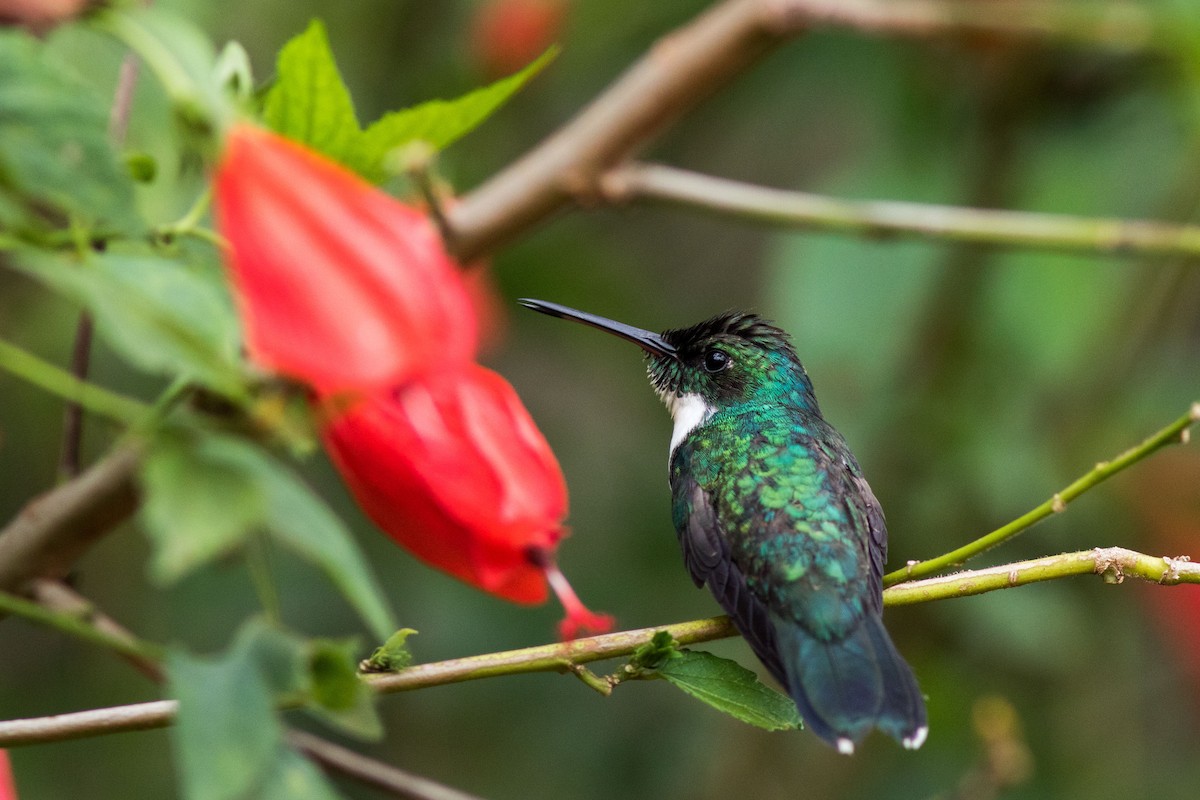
(847, 687)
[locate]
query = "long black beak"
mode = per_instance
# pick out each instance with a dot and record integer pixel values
(649, 341)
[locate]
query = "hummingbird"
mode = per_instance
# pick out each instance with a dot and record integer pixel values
(775, 517)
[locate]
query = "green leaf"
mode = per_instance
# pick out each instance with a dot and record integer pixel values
(294, 777)
(728, 686)
(160, 315)
(228, 739)
(338, 695)
(201, 500)
(309, 103)
(439, 123)
(207, 492)
(300, 520)
(393, 655)
(56, 160)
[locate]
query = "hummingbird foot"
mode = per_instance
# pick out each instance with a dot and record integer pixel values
(579, 618)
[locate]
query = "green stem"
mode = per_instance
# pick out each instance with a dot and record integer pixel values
(80, 628)
(1177, 431)
(58, 381)
(189, 223)
(894, 218)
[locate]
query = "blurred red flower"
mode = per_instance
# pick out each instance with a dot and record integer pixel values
(452, 467)
(8, 787)
(508, 34)
(352, 293)
(339, 285)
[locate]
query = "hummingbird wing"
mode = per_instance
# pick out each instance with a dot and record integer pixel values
(863, 510)
(707, 557)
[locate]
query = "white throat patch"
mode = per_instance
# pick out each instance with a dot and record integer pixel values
(688, 411)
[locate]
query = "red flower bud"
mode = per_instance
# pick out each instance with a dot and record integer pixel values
(339, 285)
(452, 467)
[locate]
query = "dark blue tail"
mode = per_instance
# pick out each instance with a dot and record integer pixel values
(845, 688)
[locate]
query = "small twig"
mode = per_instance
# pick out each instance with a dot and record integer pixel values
(73, 624)
(69, 459)
(417, 161)
(1114, 564)
(371, 772)
(58, 597)
(893, 218)
(1177, 432)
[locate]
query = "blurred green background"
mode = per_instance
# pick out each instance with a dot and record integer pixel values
(972, 383)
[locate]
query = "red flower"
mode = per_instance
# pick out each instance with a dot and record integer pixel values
(8, 787)
(453, 468)
(508, 34)
(351, 292)
(339, 285)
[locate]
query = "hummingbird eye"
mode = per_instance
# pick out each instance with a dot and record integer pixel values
(715, 360)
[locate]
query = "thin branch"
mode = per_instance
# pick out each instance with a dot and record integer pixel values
(78, 626)
(893, 218)
(58, 597)
(60, 607)
(56, 528)
(691, 63)
(371, 772)
(81, 350)
(1113, 564)
(558, 657)
(680, 71)
(1120, 25)
(1177, 432)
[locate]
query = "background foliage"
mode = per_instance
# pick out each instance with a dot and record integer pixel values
(971, 383)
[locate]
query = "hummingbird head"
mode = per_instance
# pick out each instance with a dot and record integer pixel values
(732, 359)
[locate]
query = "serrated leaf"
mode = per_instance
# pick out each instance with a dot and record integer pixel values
(160, 315)
(200, 500)
(438, 123)
(729, 687)
(309, 103)
(56, 160)
(393, 655)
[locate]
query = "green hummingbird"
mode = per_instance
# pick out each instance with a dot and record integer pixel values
(775, 517)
